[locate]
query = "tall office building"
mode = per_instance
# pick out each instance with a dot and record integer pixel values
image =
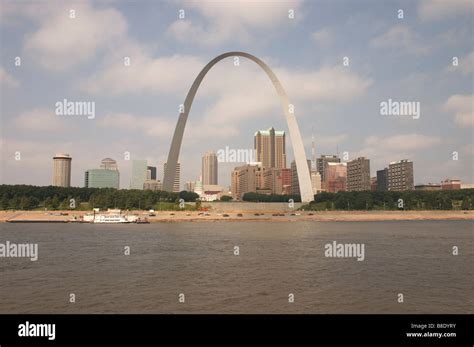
(400, 175)
(247, 178)
(295, 186)
(335, 175)
(270, 148)
(382, 180)
(100, 178)
(358, 174)
(107, 176)
(209, 168)
(316, 182)
(321, 163)
(62, 170)
(151, 173)
(139, 173)
(177, 178)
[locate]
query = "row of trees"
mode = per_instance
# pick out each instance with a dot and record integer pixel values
(256, 197)
(390, 200)
(23, 197)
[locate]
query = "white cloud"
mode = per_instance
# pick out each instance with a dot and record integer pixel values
(39, 119)
(465, 65)
(322, 37)
(236, 92)
(401, 39)
(325, 141)
(442, 9)
(227, 21)
(326, 84)
(462, 108)
(62, 42)
(150, 126)
(381, 150)
(172, 74)
(404, 142)
(7, 80)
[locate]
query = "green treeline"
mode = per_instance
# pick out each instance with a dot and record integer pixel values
(462, 199)
(24, 197)
(367, 200)
(256, 197)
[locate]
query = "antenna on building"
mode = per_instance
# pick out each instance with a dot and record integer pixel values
(313, 151)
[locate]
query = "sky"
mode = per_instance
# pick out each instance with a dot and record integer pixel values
(337, 60)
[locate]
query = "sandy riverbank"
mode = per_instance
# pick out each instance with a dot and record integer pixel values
(185, 216)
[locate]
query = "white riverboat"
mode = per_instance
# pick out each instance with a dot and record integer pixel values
(110, 218)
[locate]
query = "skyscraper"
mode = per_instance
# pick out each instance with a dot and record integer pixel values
(321, 163)
(62, 170)
(107, 176)
(139, 172)
(382, 180)
(358, 174)
(247, 178)
(400, 175)
(335, 177)
(177, 178)
(151, 173)
(270, 148)
(316, 182)
(209, 168)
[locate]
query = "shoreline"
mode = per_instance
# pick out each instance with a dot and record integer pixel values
(247, 216)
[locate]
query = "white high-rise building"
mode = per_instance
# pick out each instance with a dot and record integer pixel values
(62, 170)
(316, 182)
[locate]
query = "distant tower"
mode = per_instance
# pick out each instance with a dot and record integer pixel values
(209, 168)
(313, 152)
(270, 148)
(139, 171)
(151, 173)
(62, 170)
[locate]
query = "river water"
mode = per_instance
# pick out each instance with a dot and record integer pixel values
(275, 260)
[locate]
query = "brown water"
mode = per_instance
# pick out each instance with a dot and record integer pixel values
(197, 259)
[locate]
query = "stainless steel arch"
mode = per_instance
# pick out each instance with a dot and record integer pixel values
(296, 141)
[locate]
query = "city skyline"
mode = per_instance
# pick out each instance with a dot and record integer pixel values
(137, 116)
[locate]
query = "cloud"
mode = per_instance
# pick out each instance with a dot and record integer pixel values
(404, 142)
(150, 126)
(322, 37)
(172, 74)
(6, 80)
(462, 108)
(231, 21)
(401, 39)
(465, 65)
(431, 10)
(245, 91)
(39, 119)
(325, 141)
(62, 42)
(381, 150)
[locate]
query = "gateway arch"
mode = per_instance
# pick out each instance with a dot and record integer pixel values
(304, 179)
